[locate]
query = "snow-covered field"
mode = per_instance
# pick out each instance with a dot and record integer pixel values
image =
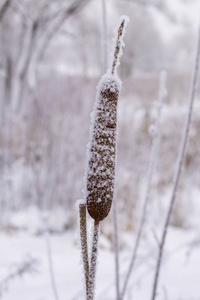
(42, 159)
(179, 277)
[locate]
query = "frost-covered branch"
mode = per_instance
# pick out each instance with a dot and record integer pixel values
(22, 64)
(151, 168)
(179, 166)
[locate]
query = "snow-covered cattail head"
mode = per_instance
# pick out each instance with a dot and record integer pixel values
(102, 152)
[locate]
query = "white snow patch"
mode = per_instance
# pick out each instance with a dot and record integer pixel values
(37, 221)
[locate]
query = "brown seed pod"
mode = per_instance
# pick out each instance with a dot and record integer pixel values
(102, 152)
(101, 169)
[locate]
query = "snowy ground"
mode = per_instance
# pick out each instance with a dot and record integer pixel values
(180, 278)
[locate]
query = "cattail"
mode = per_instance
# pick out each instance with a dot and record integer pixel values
(102, 152)
(100, 177)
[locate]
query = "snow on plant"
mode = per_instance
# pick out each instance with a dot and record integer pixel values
(100, 174)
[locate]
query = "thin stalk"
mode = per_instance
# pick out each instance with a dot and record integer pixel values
(116, 58)
(116, 250)
(179, 167)
(152, 164)
(119, 44)
(84, 247)
(93, 262)
(105, 35)
(51, 269)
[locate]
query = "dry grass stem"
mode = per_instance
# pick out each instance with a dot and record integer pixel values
(151, 168)
(179, 167)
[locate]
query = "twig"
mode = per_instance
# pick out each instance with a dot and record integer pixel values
(179, 167)
(152, 164)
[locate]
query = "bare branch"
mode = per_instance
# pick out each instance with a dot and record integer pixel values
(23, 63)
(49, 33)
(4, 9)
(52, 30)
(19, 9)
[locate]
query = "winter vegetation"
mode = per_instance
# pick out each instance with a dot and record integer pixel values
(101, 156)
(139, 217)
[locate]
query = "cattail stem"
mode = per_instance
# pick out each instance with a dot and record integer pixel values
(93, 263)
(84, 247)
(105, 35)
(179, 167)
(100, 177)
(118, 46)
(116, 249)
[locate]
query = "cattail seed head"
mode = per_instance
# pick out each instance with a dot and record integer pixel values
(102, 152)
(101, 168)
